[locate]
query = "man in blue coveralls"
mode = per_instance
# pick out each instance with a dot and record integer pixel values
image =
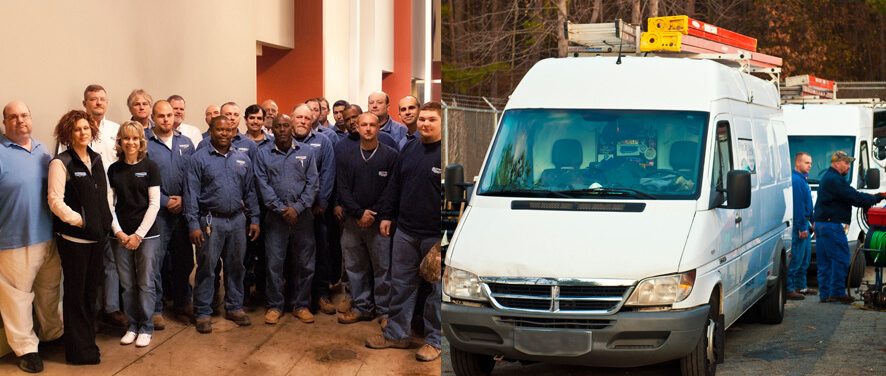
(801, 242)
(286, 175)
(220, 182)
(833, 208)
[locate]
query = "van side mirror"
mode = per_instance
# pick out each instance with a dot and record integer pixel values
(879, 148)
(872, 178)
(738, 190)
(454, 185)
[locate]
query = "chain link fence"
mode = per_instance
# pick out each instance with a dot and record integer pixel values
(871, 89)
(468, 126)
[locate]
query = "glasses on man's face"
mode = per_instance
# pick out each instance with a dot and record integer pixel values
(21, 117)
(95, 100)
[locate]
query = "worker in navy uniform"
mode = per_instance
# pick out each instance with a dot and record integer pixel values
(801, 240)
(833, 209)
(220, 182)
(418, 229)
(364, 178)
(286, 175)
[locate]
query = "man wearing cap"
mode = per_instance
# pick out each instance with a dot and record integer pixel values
(833, 209)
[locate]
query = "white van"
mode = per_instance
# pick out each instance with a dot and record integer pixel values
(627, 213)
(823, 129)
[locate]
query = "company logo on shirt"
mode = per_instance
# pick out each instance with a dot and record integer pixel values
(141, 174)
(436, 170)
(184, 146)
(301, 157)
(80, 174)
(315, 145)
(241, 162)
(243, 149)
(383, 174)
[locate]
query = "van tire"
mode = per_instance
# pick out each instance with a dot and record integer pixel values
(470, 364)
(696, 363)
(857, 267)
(771, 305)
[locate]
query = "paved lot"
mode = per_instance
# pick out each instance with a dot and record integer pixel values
(814, 339)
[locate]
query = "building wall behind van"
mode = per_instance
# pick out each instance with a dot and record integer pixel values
(204, 51)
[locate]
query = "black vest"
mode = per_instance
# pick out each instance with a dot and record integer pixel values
(86, 192)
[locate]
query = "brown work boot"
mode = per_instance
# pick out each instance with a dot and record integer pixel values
(845, 299)
(186, 310)
(345, 305)
(809, 291)
(159, 322)
(795, 295)
(380, 342)
(239, 318)
(272, 317)
(427, 353)
(118, 318)
(351, 317)
(204, 325)
(326, 305)
(383, 322)
(304, 315)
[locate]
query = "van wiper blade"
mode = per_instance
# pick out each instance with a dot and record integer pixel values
(612, 191)
(527, 192)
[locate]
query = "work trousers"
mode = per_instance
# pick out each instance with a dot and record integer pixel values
(228, 241)
(174, 245)
(111, 281)
(83, 269)
(801, 251)
(407, 255)
(832, 255)
(295, 244)
(138, 270)
(367, 257)
(30, 276)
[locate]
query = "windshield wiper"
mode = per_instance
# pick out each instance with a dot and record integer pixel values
(527, 192)
(612, 191)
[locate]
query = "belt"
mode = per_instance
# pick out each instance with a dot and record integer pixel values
(219, 215)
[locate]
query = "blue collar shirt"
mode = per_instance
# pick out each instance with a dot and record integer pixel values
(26, 219)
(172, 163)
(220, 183)
(325, 156)
(287, 178)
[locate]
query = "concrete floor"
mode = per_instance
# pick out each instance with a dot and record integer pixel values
(288, 348)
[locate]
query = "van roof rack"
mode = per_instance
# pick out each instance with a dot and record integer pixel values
(808, 89)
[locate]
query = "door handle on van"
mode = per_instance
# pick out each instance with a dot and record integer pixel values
(737, 220)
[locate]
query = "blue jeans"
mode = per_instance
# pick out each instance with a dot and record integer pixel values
(111, 283)
(136, 269)
(832, 254)
(408, 252)
(298, 244)
(174, 243)
(801, 251)
(228, 241)
(367, 257)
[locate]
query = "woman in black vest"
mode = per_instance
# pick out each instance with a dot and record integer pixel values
(78, 198)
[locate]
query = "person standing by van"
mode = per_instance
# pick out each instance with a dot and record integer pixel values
(832, 209)
(801, 242)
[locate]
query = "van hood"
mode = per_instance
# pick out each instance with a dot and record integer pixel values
(503, 242)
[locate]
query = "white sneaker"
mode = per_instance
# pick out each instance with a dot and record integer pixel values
(143, 340)
(127, 339)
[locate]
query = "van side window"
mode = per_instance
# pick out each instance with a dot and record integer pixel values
(722, 155)
(863, 163)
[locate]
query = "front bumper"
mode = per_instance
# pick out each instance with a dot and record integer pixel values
(625, 339)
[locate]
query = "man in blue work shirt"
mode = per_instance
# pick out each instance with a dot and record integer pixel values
(364, 179)
(317, 110)
(801, 242)
(833, 208)
(378, 104)
(418, 229)
(170, 150)
(239, 141)
(30, 268)
(302, 119)
(286, 175)
(220, 182)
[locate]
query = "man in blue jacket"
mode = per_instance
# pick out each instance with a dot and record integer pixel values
(832, 209)
(801, 242)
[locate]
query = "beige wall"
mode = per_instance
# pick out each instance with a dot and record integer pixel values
(202, 50)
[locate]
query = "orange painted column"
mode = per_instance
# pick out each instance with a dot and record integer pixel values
(290, 77)
(398, 83)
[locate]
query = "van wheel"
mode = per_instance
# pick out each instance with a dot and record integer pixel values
(856, 268)
(771, 305)
(470, 364)
(709, 351)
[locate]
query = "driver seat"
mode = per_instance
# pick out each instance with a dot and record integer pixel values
(682, 158)
(566, 155)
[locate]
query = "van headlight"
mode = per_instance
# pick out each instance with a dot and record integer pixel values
(663, 290)
(460, 284)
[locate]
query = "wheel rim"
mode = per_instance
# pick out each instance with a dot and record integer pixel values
(711, 331)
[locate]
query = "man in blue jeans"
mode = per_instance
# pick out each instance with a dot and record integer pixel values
(832, 209)
(801, 242)
(219, 183)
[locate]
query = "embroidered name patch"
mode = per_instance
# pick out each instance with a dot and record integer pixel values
(243, 149)
(184, 146)
(241, 162)
(141, 174)
(79, 174)
(436, 170)
(315, 145)
(301, 157)
(383, 174)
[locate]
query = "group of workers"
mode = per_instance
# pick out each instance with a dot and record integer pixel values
(294, 207)
(827, 217)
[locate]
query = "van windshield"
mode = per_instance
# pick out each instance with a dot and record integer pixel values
(821, 148)
(568, 153)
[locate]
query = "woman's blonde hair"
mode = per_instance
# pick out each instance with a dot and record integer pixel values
(129, 129)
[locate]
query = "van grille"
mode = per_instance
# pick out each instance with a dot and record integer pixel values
(549, 323)
(557, 298)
